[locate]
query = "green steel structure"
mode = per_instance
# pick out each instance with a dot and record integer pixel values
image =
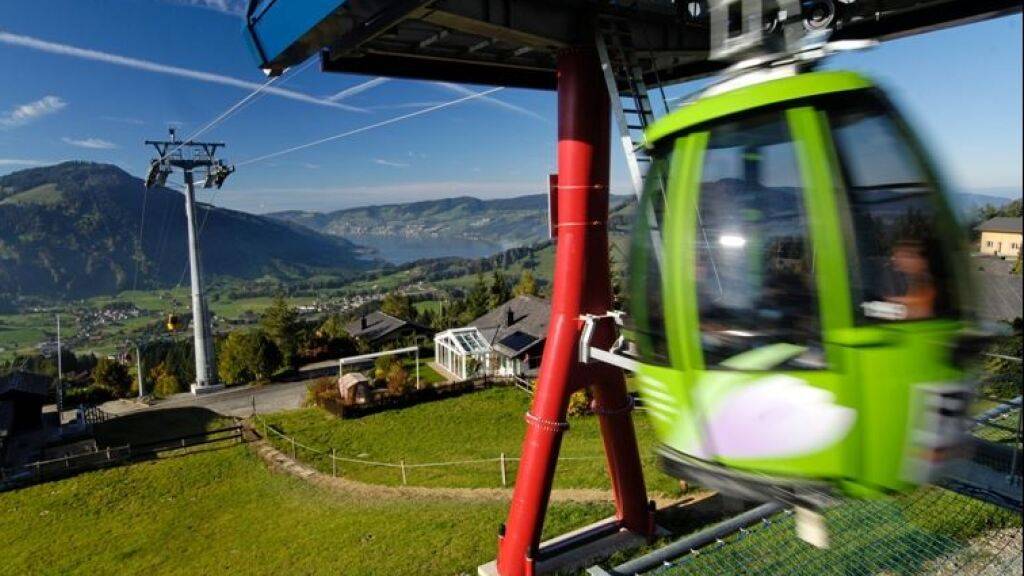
(798, 292)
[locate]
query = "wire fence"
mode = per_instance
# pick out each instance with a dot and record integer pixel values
(503, 463)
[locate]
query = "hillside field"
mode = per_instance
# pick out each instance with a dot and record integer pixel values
(475, 426)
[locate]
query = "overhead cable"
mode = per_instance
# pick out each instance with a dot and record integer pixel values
(369, 127)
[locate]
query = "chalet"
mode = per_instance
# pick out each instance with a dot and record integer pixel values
(507, 341)
(377, 328)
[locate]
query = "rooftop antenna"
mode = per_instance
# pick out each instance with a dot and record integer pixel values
(188, 157)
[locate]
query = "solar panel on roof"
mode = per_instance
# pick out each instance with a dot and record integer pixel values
(518, 340)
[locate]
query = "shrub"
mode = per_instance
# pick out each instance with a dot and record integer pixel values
(397, 379)
(579, 403)
(323, 392)
(91, 394)
(113, 375)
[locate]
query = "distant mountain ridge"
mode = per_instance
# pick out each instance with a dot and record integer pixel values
(72, 229)
(492, 225)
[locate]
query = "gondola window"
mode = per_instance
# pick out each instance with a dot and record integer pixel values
(754, 265)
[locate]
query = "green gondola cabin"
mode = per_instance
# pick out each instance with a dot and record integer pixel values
(797, 290)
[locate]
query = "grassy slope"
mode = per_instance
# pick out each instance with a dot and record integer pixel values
(221, 512)
(474, 426)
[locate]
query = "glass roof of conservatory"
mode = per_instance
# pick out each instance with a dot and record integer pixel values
(466, 340)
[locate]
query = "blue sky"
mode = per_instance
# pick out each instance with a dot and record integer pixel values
(961, 88)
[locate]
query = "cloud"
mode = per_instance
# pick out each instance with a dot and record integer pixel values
(22, 162)
(90, 143)
(155, 67)
(391, 163)
(26, 113)
(457, 89)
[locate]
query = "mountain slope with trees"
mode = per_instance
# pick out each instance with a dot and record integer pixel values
(73, 230)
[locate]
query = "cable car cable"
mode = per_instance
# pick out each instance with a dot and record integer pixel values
(369, 127)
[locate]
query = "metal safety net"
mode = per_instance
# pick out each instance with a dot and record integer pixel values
(931, 531)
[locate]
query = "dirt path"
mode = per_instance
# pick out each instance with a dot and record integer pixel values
(281, 462)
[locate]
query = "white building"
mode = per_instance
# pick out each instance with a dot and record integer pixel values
(507, 341)
(461, 352)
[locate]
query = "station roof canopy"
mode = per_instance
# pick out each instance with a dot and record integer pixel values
(515, 42)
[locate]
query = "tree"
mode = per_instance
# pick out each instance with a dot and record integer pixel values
(112, 375)
(500, 291)
(399, 306)
(330, 340)
(478, 301)
(247, 356)
(334, 327)
(526, 286)
(280, 322)
(165, 383)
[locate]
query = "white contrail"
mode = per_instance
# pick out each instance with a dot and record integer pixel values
(353, 90)
(95, 55)
(369, 127)
(458, 89)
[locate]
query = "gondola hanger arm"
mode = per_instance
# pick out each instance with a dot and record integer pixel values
(614, 356)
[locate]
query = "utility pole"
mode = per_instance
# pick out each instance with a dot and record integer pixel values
(188, 157)
(138, 368)
(60, 379)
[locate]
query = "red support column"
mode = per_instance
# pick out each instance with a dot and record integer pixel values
(581, 286)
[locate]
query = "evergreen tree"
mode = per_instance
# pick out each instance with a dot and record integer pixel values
(500, 291)
(247, 356)
(280, 322)
(478, 301)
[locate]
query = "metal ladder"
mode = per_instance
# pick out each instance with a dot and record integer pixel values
(627, 90)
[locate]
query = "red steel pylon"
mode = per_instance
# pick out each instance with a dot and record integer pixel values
(581, 286)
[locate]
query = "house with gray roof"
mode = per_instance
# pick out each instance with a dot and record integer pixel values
(1001, 236)
(506, 341)
(376, 328)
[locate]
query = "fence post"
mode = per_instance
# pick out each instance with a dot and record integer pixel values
(334, 464)
(253, 404)
(402, 464)
(504, 477)
(293, 446)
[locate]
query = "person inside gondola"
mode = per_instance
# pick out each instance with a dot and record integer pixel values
(917, 292)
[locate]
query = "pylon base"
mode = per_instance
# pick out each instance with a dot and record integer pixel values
(580, 548)
(199, 390)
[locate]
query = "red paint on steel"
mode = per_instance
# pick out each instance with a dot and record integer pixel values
(581, 286)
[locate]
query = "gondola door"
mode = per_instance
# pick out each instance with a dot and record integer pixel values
(758, 280)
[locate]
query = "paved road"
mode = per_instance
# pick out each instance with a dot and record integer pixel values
(230, 402)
